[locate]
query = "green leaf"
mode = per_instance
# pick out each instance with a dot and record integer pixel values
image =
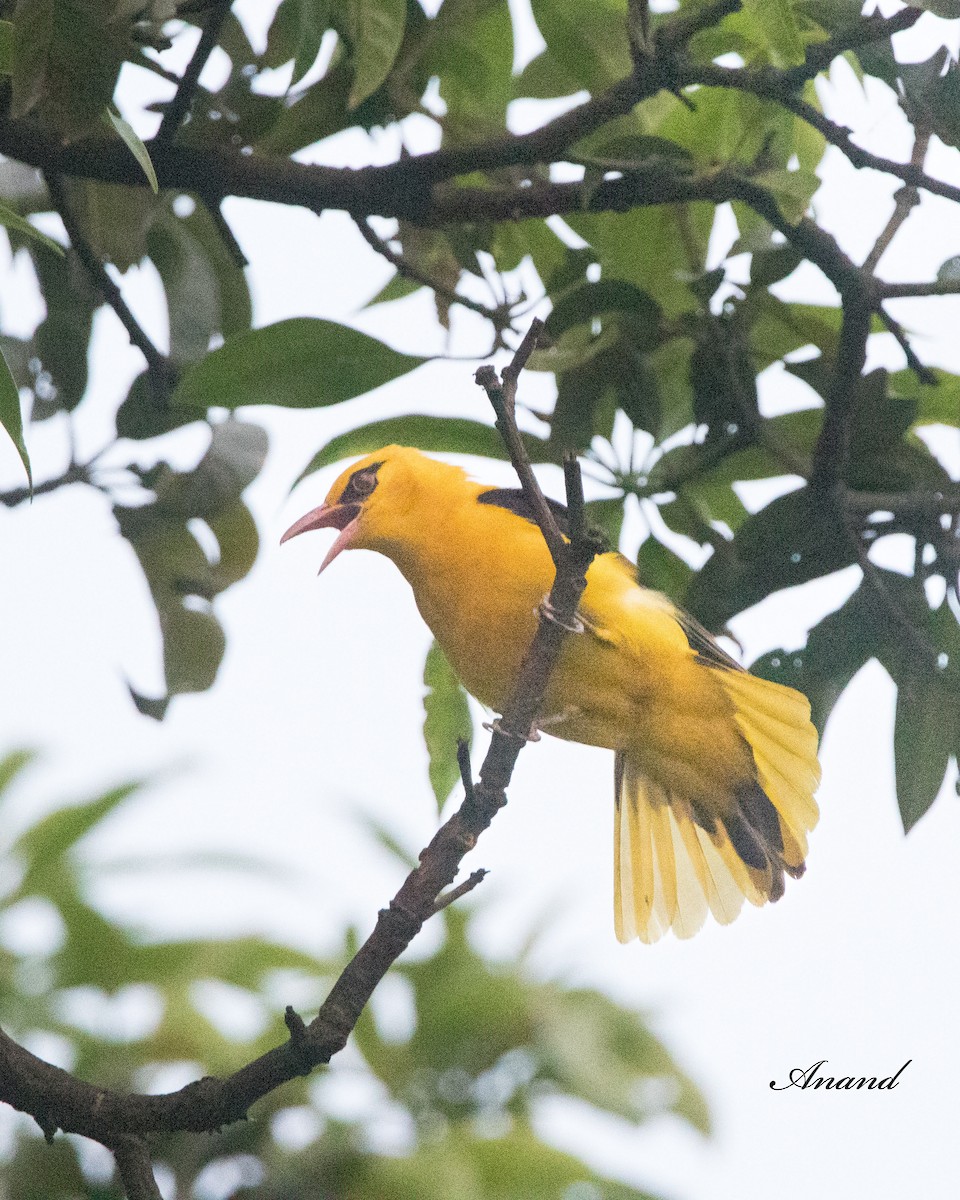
(778, 23)
(134, 144)
(43, 846)
(924, 737)
(191, 287)
(115, 219)
(66, 60)
(658, 567)
(436, 435)
(62, 339)
(377, 28)
(587, 42)
(193, 648)
(32, 36)
(12, 220)
(935, 404)
(10, 416)
(789, 542)
(447, 720)
(792, 190)
(397, 287)
(303, 362)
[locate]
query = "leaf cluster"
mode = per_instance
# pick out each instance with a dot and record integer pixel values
(459, 1061)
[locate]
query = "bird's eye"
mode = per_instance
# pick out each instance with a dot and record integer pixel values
(361, 484)
(364, 482)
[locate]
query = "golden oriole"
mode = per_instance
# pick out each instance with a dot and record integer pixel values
(715, 770)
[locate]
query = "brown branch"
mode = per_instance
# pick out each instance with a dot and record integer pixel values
(176, 111)
(57, 1100)
(135, 1170)
(770, 83)
(906, 291)
(159, 369)
(923, 373)
(862, 32)
(832, 451)
(919, 503)
(502, 396)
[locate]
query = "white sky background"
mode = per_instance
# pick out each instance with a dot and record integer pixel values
(315, 720)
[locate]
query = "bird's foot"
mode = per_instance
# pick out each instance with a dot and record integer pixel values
(496, 727)
(549, 613)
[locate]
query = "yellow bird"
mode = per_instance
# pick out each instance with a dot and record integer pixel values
(715, 770)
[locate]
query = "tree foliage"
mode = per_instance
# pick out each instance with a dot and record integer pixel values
(652, 130)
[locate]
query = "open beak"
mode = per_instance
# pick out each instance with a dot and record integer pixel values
(345, 517)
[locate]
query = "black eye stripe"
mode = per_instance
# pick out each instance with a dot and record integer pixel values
(360, 484)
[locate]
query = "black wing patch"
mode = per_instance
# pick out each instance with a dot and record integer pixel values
(704, 644)
(515, 501)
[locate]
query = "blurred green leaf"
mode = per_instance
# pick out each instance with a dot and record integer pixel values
(134, 145)
(62, 338)
(924, 737)
(10, 416)
(658, 567)
(12, 220)
(778, 22)
(376, 28)
(586, 43)
(43, 845)
(66, 58)
(792, 190)
(299, 363)
(436, 435)
(192, 291)
(787, 543)
(447, 720)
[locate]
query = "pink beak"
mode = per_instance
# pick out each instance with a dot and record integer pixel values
(345, 517)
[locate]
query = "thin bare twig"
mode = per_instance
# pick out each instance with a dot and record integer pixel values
(905, 201)
(502, 396)
(907, 291)
(176, 111)
(472, 880)
(500, 315)
(923, 373)
(770, 83)
(159, 369)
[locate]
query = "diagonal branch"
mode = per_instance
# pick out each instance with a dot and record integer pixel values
(58, 1100)
(500, 316)
(159, 369)
(176, 111)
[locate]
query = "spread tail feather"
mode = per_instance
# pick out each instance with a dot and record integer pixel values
(675, 859)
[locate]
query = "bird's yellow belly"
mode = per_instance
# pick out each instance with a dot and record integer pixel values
(608, 689)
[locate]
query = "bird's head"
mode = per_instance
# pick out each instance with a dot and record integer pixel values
(369, 500)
